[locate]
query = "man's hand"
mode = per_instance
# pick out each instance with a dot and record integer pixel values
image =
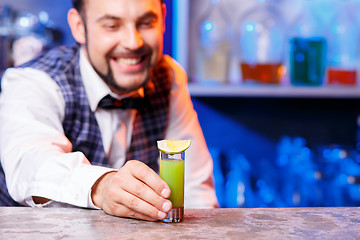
(134, 191)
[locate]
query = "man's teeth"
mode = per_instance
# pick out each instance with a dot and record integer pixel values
(128, 61)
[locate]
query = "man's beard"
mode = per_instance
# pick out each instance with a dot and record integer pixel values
(110, 81)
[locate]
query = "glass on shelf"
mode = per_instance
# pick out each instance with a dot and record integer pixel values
(308, 49)
(214, 42)
(261, 41)
(343, 42)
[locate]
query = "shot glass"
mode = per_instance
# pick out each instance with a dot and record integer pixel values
(172, 172)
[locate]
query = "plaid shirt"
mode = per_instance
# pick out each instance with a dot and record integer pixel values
(80, 125)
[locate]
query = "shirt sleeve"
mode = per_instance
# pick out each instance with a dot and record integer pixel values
(36, 156)
(184, 124)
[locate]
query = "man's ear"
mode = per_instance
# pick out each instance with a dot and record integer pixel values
(76, 25)
(163, 7)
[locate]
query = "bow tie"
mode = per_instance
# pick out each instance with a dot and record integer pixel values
(109, 102)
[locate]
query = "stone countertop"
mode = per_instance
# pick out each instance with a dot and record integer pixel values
(222, 223)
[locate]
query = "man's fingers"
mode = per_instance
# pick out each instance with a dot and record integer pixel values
(134, 191)
(125, 204)
(140, 190)
(145, 174)
(142, 187)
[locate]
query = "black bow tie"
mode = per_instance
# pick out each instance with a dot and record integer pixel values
(109, 102)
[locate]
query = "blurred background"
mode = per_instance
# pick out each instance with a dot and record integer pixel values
(275, 84)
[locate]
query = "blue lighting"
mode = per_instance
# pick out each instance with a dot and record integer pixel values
(335, 28)
(208, 26)
(250, 27)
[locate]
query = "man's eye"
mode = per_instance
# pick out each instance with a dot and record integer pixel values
(111, 26)
(149, 23)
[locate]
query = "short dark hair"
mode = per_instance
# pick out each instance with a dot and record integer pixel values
(78, 4)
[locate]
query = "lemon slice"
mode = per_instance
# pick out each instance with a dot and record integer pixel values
(173, 146)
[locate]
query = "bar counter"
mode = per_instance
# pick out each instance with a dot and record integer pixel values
(222, 223)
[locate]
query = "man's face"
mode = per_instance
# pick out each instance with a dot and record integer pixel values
(124, 38)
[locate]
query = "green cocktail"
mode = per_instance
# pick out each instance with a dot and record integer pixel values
(172, 156)
(172, 172)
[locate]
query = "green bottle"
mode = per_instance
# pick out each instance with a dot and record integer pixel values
(308, 49)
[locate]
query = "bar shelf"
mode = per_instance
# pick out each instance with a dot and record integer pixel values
(273, 91)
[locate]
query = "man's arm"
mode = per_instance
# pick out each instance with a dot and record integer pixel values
(41, 167)
(36, 156)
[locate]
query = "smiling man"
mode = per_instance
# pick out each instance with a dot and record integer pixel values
(79, 125)
(131, 39)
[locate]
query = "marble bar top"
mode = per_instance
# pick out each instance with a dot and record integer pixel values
(222, 223)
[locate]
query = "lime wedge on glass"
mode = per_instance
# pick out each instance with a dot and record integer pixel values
(173, 146)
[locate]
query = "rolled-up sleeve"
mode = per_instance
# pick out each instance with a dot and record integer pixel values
(36, 156)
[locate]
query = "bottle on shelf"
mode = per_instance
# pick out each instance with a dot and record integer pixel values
(308, 49)
(212, 58)
(343, 41)
(261, 40)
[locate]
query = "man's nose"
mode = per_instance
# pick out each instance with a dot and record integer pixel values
(132, 39)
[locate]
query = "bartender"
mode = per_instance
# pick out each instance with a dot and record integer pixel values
(79, 124)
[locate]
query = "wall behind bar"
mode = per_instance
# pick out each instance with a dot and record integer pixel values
(57, 11)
